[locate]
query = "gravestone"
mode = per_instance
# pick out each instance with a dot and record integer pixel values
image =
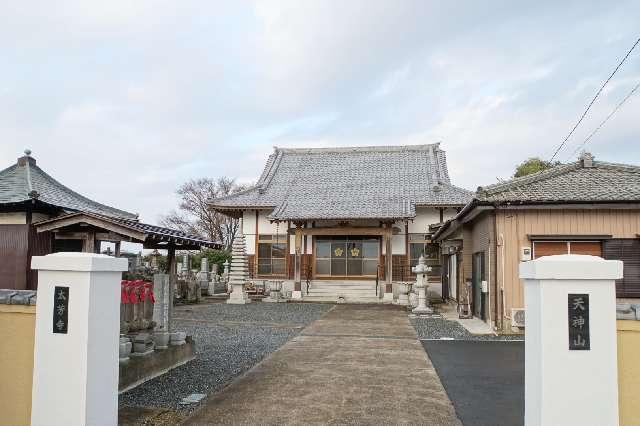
(203, 275)
(162, 309)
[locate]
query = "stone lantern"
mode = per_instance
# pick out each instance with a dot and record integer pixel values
(421, 284)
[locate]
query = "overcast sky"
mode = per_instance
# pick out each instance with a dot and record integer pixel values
(124, 100)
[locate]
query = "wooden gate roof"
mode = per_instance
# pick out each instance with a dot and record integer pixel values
(150, 236)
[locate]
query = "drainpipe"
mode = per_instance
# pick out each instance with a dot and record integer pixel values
(495, 269)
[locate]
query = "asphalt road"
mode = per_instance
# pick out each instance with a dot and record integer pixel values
(483, 379)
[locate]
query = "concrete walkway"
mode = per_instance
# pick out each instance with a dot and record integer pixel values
(355, 365)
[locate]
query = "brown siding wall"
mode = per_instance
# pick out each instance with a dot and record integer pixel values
(513, 226)
(482, 240)
(14, 244)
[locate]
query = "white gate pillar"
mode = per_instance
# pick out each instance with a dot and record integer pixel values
(75, 365)
(570, 340)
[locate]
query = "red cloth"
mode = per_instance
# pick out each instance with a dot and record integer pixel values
(133, 294)
(149, 291)
(123, 292)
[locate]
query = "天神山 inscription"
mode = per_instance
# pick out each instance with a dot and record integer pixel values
(61, 310)
(579, 338)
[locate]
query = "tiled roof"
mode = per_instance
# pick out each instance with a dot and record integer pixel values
(585, 180)
(151, 232)
(26, 181)
(347, 183)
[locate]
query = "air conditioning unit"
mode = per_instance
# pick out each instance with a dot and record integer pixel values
(517, 317)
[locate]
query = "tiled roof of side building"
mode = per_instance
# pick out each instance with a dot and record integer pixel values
(585, 180)
(342, 183)
(26, 181)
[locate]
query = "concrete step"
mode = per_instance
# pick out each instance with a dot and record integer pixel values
(342, 287)
(342, 290)
(311, 298)
(343, 282)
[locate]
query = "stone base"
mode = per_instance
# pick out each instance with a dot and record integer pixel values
(141, 354)
(238, 300)
(238, 296)
(422, 310)
(161, 339)
(403, 300)
(387, 298)
(296, 294)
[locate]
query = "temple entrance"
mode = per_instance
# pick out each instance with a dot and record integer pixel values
(346, 256)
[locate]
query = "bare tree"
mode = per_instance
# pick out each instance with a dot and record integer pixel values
(194, 215)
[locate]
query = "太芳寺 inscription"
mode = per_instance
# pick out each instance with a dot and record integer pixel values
(579, 336)
(61, 310)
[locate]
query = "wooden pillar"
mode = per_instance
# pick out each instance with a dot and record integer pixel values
(117, 251)
(297, 282)
(388, 258)
(89, 244)
(171, 271)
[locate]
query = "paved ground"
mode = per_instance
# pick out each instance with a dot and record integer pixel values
(484, 379)
(355, 365)
(438, 327)
(230, 339)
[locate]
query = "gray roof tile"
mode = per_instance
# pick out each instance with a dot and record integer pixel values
(26, 181)
(344, 183)
(573, 182)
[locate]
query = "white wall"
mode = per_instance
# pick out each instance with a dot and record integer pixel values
(424, 217)
(17, 218)
(398, 243)
(264, 227)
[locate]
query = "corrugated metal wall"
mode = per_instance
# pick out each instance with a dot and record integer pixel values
(14, 245)
(39, 245)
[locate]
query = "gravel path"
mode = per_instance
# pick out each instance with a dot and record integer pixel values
(438, 328)
(230, 339)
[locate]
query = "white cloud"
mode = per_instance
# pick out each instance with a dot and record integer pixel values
(123, 101)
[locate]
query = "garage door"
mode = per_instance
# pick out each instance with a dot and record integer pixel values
(551, 248)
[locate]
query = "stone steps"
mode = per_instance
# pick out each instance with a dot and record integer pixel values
(334, 299)
(349, 291)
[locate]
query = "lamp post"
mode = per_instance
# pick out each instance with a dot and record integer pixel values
(421, 284)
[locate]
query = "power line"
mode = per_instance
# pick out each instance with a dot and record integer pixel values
(635, 88)
(593, 100)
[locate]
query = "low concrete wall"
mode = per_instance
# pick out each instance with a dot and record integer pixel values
(629, 371)
(17, 333)
(138, 370)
